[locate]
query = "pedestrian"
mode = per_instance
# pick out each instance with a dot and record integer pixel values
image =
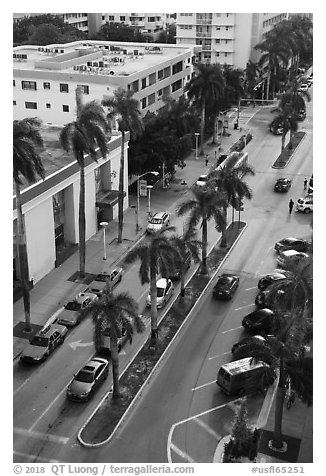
(215, 154)
(291, 203)
(166, 182)
(305, 184)
(206, 162)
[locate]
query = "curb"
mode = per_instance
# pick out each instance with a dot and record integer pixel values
(292, 155)
(158, 363)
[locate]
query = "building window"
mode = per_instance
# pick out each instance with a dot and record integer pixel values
(218, 27)
(135, 86)
(150, 19)
(85, 89)
(58, 202)
(48, 105)
(166, 91)
(14, 83)
(46, 85)
(30, 105)
(152, 79)
(167, 72)
(65, 108)
(176, 68)
(143, 83)
(217, 41)
(111, 17)
(64, 88)
(122, 18)
(225, 54)
(14, 102)
(177, 85)
(151, 99)
(29, 85)
(160, 92)
(143, 103)
(160, 75)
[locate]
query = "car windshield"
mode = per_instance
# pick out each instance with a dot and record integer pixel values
(102, 277)
(225, 281)
(155, 221)
(202, 179)
(73, 306)
(160, 292)
(40, 341)
(85, 377)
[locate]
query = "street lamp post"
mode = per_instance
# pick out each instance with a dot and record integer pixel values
(138, 201)
(196, 136)
(104, 224)
(149, 188)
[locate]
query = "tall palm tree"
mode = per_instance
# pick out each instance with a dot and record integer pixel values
(284, 352)
(287, 121)
(27, 164)
(155, 254)
(124, 108)
(83, 136)
(234, 87)
(205, 204)
(117, 313)
(186, 244)
(229, 179)
(206, 86)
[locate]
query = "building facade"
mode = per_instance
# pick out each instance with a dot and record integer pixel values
(50, 207)
(45, 78)
(226, 37)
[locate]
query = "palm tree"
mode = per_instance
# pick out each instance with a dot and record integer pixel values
(286, 121)
(124, 108)
(284, 353)
(186, 244)
(206, 86)
(116, 313)
(229, 179)
(155, 254)
(234, 87)
(27, 164)
(83, 136)
(206, 204)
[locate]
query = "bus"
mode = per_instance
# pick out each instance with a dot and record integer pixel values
(235, 159)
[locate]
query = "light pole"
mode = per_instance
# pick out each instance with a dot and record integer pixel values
(149, 188)
(138, 201)
(196, 136)
(104, 224)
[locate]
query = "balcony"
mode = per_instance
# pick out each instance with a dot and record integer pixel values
(203, 35)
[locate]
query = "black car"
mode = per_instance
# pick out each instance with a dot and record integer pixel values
(290, 243)
(275, 128)
(282, 185)
(262, 321)
(226, 286)
(269, 279)
(257, 339)
(300, 115)
(175, 273)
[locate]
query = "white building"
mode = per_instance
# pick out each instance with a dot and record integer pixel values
(45, 78)
(225, 37)
(50, 207)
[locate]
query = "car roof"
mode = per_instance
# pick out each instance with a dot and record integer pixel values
(46, 331)
(201, 177)
(162, 282)
(261, 313)
(274, 275)
(227, 276)
(109, 271)
(291, 253)
(158, 215)
(81, 297)
(93, 364)
(282, 179)
(290, 239)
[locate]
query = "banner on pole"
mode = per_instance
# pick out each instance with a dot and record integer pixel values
(143, 188)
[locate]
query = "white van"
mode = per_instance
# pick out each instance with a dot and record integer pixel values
(305, 204)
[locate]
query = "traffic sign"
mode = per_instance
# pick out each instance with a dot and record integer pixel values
(143, 188)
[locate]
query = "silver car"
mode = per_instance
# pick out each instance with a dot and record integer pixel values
(70, 316)
(110, 277)
(164, 289)
(88, 379)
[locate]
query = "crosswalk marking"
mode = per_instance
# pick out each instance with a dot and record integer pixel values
(207, 428)
(182, 453)
(35, 458)
(43, 436)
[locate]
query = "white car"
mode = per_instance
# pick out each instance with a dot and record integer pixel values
(202, 180)
(306, 204)
(106, 277)
(164, 289)
(291, 257)
(157, 222)
(303, 87)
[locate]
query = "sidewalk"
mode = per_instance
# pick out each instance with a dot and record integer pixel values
(50, 293)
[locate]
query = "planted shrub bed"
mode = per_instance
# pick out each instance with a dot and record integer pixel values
(287, 153)
(104, 421)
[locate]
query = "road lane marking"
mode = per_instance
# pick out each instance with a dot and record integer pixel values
(219, 355)
(249, 289)
(21, 386)
(32, 457)
(230, 330)
(46, 410)
(37, 434)
(243, 307)
(205, 385)
(182, 453)
(208, 428)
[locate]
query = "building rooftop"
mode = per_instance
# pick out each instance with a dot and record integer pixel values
(94, 57)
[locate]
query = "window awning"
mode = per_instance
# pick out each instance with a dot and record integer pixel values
(107, 198)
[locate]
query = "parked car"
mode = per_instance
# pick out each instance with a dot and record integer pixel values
(71, 314)
(111, 277)
(88, 379)
(256, 339)
(202, 180)
(292, 244)
(226, 286)
(310, 190)
(104, 347)
(275, 128)
(291, 257)
(43, 343)
(157, 222)
(164, 289)
(303, 87)
(309, 81)
(300, 115)
(264, 299)
(261, 321)
(269, 279)
(282, 185)
(306, 204)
